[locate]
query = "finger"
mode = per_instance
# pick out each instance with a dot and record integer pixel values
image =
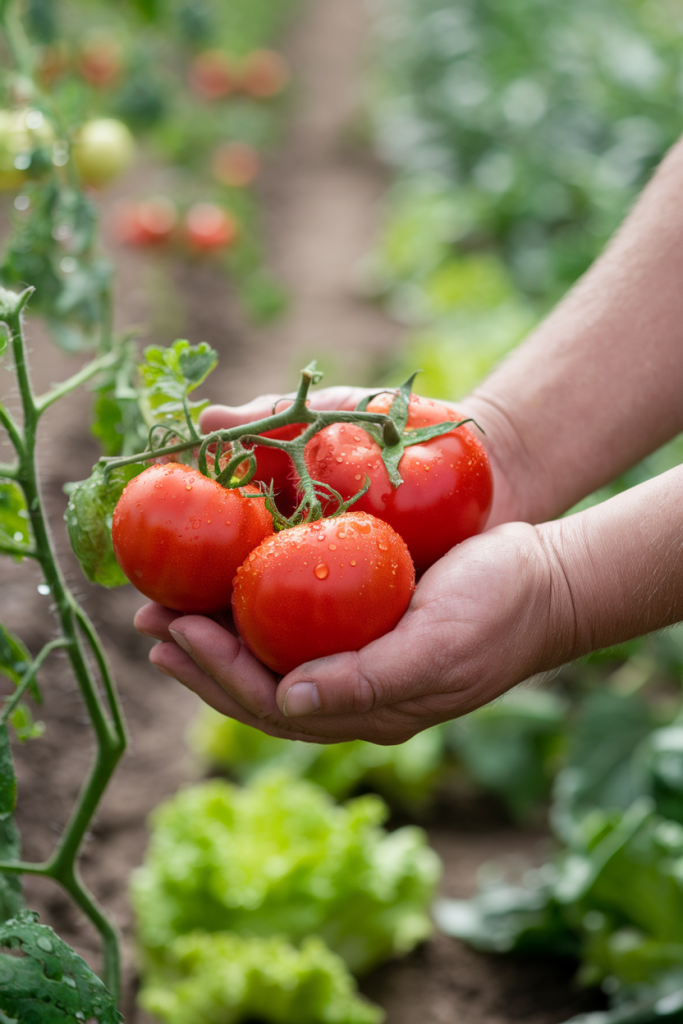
(225, 659)
(222, 417)
(153, 620)
(174, 662)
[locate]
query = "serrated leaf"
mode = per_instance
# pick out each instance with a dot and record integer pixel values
(171, 373)
(8, 780)
(88, 518)
(13, 514)
(48, 982)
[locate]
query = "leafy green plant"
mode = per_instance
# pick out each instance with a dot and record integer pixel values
(278, 858)
(613, 897)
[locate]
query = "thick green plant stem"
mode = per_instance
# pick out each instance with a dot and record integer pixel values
(80, 640)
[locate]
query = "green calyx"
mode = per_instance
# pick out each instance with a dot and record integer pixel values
(393, 438)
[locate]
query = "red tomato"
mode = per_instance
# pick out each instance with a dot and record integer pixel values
(273, 465)
(211, 75)
(148, 222)
(179, 537)
(235, 164)
(209, 226)
(100, 62)
(447, 484)
(321, 588)
(263, 74)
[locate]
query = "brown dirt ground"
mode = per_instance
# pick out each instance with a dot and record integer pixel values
(321, 196)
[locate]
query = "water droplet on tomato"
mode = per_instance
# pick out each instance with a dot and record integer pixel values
(321, 536)
(427, 468)
(188, 487)
(138, 573)
(364, 527)
(382, 546)
(252, 556)
(353, 561)
(357, 476)
(321, 571)
(339, 458)
(227, 522)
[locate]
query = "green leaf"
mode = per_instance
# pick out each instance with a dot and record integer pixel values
(88, 518)
(24, 725)
(233, 978)
(8, 781)
(171, 373)
(42, 980)
(280, 857)
(14, 515)
(11, 893)
(14, 655)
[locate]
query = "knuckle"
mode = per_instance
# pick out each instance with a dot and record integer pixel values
(363, 689)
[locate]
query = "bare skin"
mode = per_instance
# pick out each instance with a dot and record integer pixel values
(593, 390)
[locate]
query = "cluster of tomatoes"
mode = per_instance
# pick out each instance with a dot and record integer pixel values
(318, 588)
(157, 221)
(260, 75)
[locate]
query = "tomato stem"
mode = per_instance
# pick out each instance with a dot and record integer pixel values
(77, 636)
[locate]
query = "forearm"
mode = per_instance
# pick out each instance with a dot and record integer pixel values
(617, 568)
(598, 385)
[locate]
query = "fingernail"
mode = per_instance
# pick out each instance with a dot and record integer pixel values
(181, 641)
(301, 699)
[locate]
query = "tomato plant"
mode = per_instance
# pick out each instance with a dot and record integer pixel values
(103, 149)
(322, 588)
(447, 485)
(179, 536)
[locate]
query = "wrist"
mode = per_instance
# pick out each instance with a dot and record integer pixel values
(515, 480)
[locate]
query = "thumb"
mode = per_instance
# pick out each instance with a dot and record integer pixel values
(391, 669)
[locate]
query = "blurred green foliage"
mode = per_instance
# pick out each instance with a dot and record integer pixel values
(230, 869)
(521, 131)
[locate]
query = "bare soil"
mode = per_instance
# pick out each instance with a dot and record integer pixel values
(321, 195)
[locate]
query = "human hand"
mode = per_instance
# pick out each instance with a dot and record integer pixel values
(491, 613)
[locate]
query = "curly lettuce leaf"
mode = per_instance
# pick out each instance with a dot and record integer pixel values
(222, 978)
(279, 857)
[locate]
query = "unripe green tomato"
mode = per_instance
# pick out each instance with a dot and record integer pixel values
(102, 149)
(21, 132)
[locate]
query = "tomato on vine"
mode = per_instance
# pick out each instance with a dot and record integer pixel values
(180, 536)
(208, 226)
(103, 149)
(447, 485)
(321, 588)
